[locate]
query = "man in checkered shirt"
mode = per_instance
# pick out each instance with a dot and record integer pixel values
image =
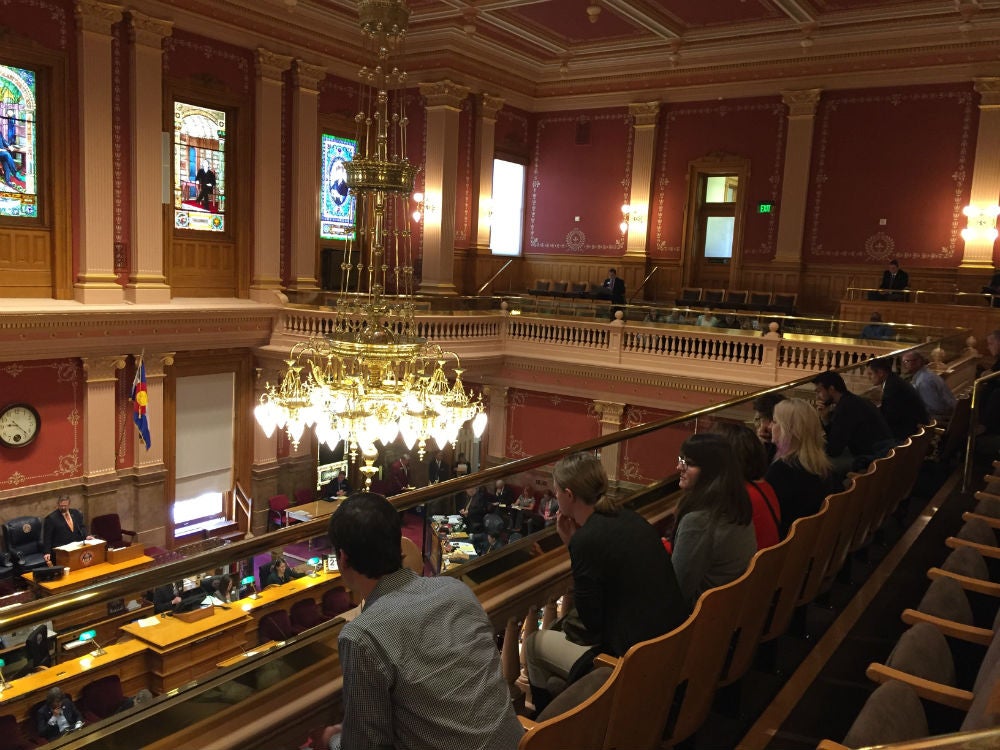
(420, 664)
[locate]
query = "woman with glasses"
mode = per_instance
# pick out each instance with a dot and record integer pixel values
(801, 470)
(714, 538)
(624, 586)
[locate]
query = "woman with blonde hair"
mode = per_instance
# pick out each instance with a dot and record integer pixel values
(800, 474)
(624, 586)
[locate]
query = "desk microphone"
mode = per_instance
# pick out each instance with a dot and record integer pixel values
(3, 682)
(89, 635)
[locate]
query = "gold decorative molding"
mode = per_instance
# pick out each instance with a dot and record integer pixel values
(97, 369)
(307, 76)
(644, 114)
(491, 106)
(148, 31)
(988, 90)
(98, 17)
(444, 94)
(801, 103)
(610, 412)
(270, 65)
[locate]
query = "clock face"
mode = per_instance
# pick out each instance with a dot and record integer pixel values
(19, 425)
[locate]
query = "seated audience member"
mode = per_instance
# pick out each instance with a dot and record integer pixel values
(625, 590)
(876, 329)
(749, 453)
(57, 715)
(548, 507)
(800, 473)
(420, 664)
(901, 406)
(476, 507)
(522, 513)
(856, 433)
(280, 573)
(708, 320)
(763, 416)
(713, 537)
(933, 391)
(893, 279)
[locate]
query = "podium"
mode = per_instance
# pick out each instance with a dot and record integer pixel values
(77, 555)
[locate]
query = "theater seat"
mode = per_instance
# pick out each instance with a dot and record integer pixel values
(11, 737)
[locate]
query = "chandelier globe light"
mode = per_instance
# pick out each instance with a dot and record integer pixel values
(372, 378)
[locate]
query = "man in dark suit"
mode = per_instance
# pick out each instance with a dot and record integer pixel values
(856, 432)
(438, 469)
(63, 525)
(399, 474)
(893, 279)
(614, 287)
(337, 487)
(901, 405)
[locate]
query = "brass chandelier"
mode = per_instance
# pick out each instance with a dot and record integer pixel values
(372, 378)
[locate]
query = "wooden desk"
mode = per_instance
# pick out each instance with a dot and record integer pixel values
(284, 596)
(78, 555)
(183, 651)
(312, 511)
(127, 660)
(86, 576)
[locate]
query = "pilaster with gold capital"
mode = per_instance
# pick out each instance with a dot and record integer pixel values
(496, 412)
(98, 424)
(644, 117)
(802, 102)
(610, 413)
(147, 282)
(444, 93)
(977, 253)
(266, 272)
(795, 180)
(489, 107)
(305, 168)
(96, 282)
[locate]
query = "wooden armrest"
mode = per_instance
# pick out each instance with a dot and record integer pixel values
(966, 582)
(605, 660)
(986, 550)
(950, 628)
(831, 745)
(990, 521)
(984, 495)
(932, 691)
(526, 722)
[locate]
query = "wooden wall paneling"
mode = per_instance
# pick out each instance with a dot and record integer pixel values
(204, 267)
(26, 262)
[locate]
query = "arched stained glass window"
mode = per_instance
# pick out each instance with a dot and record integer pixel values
(199, 168)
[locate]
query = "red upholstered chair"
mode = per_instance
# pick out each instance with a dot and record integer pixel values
(305, 495)
(276, 517)
(336, 601)
(11, 736)
(305, 614)
(275, 626)
(101, 698)
(109, 528)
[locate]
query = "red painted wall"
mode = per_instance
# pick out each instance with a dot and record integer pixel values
(539, 422)
(338, 96)
(754, 129)
(652, 457)
(55, 388)
(188, 55)
(570, 180)
(512, 133)
(904, 155)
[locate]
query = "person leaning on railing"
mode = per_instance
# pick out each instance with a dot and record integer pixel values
(624, 586)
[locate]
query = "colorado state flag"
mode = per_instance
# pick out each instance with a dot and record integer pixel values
(139, 401)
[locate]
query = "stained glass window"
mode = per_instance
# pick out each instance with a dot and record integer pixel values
(336, 202)
(199, 168)
(18, 143)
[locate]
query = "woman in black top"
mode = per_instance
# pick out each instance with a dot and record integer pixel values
(280, 573)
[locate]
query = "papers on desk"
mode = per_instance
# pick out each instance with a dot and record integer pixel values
(148, 622)
(72, 546)
(299, 515)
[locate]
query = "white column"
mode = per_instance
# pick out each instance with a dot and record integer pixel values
(96, 282)
(644, 118)
(489, 106)
(146, 283)
(795, 180)
(305, 175)
(496, 424)
(99, 438)
(611, 421)
(267, 202)
(444, 103)
(156, 365)
(985, 190)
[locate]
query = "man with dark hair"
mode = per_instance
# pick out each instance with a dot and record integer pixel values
(856, 432)
(893, 279)
(901, 405)
(57, 715)
(763, 418)
(62, 526)
(614, 287)
(420, 664)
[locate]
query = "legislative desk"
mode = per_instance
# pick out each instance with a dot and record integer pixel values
(86, 576)
(181, 651)
(127, 660)
(285, 595)
(312, 511)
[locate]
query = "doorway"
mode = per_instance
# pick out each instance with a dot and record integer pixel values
(714, 222)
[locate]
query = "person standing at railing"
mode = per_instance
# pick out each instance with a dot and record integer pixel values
(624, 586)
(894, 279)
(420, 664)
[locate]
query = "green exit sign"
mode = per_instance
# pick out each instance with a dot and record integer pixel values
(765, 207)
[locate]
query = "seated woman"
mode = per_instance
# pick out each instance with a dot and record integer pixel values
(548, 507)
(624, 585)
(280, 573)
(713, 538)
(801, 470)
(751, 455)
(523, 517)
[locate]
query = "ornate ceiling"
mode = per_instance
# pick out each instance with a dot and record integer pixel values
(556, 53)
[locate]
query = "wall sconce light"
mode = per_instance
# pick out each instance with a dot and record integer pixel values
(418, 212)
(982, 223)
(626, 212)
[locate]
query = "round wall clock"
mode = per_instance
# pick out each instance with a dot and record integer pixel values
(19, 425)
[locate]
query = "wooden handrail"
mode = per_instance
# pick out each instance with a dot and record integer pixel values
(243, 502)
(494, 277)
(642, 284)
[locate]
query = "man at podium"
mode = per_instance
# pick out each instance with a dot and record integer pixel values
(62, 526)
